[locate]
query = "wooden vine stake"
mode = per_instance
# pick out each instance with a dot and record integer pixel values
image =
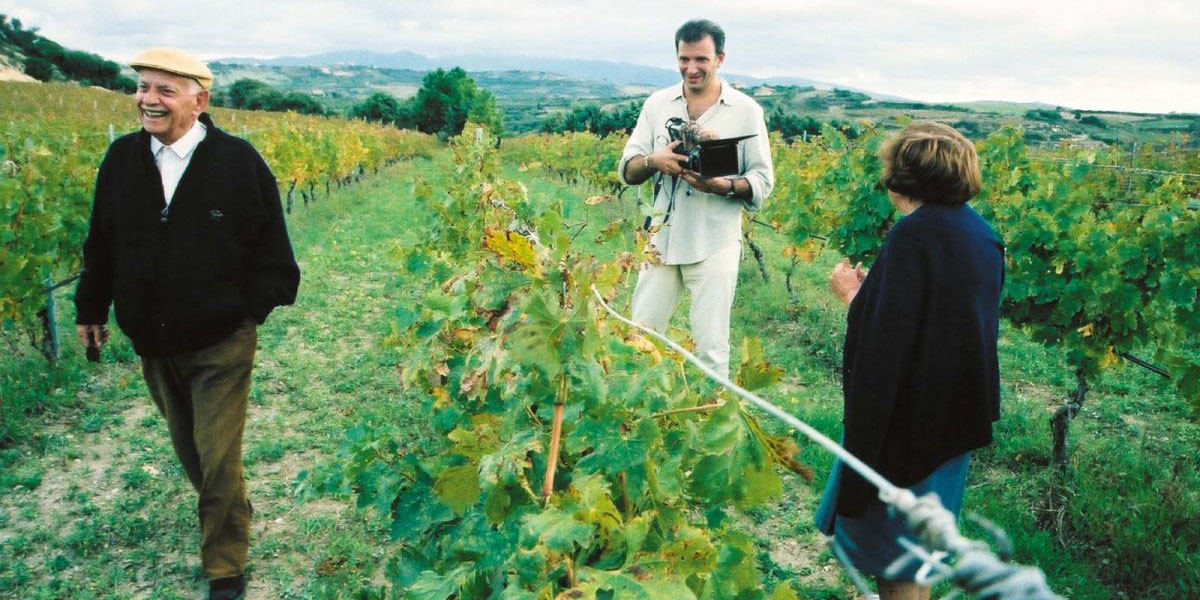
(555, 438)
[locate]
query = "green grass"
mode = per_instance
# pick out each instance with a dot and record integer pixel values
(1125, 524)
(94, 505)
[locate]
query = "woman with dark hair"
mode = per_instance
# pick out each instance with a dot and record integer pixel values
(920, 377)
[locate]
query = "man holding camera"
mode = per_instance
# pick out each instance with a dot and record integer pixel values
(697, 220)
(188, 242)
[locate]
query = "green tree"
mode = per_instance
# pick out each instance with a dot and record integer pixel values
(446, 100)
(816, 102)
(301, 103)
(969, 129)
(252, 94)
(554, 122)
(16, 34)
(1043, 114)
(268, 99)
(48, 49)
(39, 68)
(484, 110)
(76, 65)
(791, 125)
(591, 117)
(380, 107)
(242, 91)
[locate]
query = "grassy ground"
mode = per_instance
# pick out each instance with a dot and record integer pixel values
(1126, 523)
(93, 505)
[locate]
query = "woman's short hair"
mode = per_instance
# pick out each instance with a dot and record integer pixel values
(931, 162)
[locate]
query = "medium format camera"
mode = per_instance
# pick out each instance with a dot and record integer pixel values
(708, 157)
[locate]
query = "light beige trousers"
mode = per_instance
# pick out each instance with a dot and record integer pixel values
(711, 283)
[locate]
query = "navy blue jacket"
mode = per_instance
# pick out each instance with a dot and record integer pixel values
(920, 376)
(186, 278)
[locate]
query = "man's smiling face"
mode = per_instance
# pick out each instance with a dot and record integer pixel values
(168, 104)
(698, 63)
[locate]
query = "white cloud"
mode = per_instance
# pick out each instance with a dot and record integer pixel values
(1099, 54)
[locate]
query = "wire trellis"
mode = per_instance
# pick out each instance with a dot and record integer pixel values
(976, 568)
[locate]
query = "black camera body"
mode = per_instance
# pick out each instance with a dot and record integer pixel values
(709, 158)
(688, 133)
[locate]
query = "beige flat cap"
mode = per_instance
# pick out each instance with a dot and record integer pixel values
(174, 61)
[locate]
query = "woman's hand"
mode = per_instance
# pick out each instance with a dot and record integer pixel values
(845, 280)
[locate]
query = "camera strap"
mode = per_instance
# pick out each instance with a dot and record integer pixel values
(658, 185)
(653, 198)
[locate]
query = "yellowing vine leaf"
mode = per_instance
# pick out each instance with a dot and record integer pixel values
(755, 372)
(641, 344)
(512, 247)
(1109, 359)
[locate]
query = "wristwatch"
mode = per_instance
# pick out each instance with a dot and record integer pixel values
(732, 189)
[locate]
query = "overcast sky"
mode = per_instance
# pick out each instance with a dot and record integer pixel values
(1097, 54)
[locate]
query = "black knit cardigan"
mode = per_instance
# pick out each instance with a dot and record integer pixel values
(186, 276)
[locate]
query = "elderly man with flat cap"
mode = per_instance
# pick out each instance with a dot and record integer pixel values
(188, 243)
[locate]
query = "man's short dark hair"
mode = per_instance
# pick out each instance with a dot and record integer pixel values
(696, 29)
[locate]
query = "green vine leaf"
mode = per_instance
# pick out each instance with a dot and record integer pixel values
(458, 487)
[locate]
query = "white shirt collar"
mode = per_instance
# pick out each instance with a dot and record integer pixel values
(726, 93)
(183, 146)
(724, 98)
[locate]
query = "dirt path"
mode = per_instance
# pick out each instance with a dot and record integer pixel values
(107, 513)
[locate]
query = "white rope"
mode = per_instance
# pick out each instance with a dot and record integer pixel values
(976, 569)
(867, 472)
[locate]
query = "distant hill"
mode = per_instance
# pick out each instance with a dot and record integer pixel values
(530, 89)
(527, 96)
(343, 84)
(524, 96)
(620, 73)
(395, 60)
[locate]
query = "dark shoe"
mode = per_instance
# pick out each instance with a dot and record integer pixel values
(227, 588)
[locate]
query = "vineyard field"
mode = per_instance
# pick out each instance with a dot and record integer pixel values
(53, 136)
(404, 412)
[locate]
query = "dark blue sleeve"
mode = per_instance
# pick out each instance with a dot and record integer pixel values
(885, 321)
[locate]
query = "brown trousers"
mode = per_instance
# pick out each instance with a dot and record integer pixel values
(202, 394)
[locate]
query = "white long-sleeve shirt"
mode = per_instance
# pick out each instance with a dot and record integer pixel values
(701, 224)
(173, 160)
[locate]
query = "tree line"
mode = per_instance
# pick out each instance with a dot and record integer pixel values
(251, 94)
(443, 105)
(46, 60)
(593, 118)
(445, 102)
